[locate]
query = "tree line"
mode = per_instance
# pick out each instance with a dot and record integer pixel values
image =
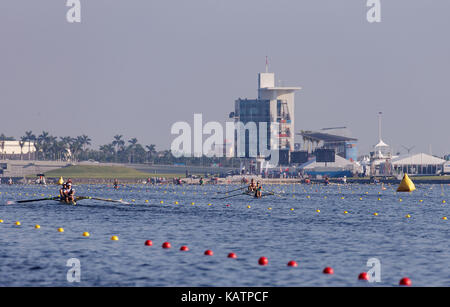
(119, 150)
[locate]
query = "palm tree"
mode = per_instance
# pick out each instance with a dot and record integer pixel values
(42, 140)
(133, 143)
(53, 147)
(108, 151)
(65, 143)
(118, 143)
(2, 146)
(75, 148)
(151, 151)
(21, 144)
(29, 137)
(85, 141)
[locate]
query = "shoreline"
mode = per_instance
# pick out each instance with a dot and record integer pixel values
(226, 181)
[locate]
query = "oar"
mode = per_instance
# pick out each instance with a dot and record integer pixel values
(232, 190)
(272, 193)
(231, 196)
(30, 200)
(109, 200)
(267, 194)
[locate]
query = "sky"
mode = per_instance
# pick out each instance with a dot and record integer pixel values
(135, 67)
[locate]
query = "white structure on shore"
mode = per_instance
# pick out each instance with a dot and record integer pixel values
(16, 148)
(417, 164)
(381, 156)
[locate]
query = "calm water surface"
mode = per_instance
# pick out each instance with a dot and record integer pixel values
(416, 247)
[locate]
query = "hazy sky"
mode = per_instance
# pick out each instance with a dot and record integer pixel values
(135, 67)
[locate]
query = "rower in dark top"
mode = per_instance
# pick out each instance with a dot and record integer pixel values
(70, 193)
(62, 191)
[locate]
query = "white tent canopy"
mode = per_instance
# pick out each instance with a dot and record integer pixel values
(338, 163)
(417, 159)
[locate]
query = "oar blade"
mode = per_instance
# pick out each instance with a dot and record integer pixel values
(33, 200)
(111, 200)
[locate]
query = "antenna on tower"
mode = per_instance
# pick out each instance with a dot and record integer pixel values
(267, 64)
(379, 125)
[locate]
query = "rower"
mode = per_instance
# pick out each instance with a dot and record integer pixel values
(70, 193)
(258, 190)
(252, 186)
(62, 191)
(201, 181)
(116, 184)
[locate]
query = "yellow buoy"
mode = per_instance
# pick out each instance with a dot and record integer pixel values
(61, 180)
(317, 210)
(375, 214)
(86, 234)
(37, 226)
(60, 229)
(345, 212)
(115, 238)
(1, 221)
(408, 216)
(406, 185)
(444, 218)
(17, 223)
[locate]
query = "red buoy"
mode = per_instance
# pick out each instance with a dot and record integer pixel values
(209, 252)
(232, 255)
(263, 261)
(149, 243)
(363, 276)
(328, 270)
(166, 245)
(184, 248)
(292, 263)
(405, 281)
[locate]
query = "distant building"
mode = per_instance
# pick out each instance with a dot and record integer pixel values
(339, 168)
(380, 160)
(15, 149)
(417, 164)
(380, 157)
(331, 138)
(274, 104)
